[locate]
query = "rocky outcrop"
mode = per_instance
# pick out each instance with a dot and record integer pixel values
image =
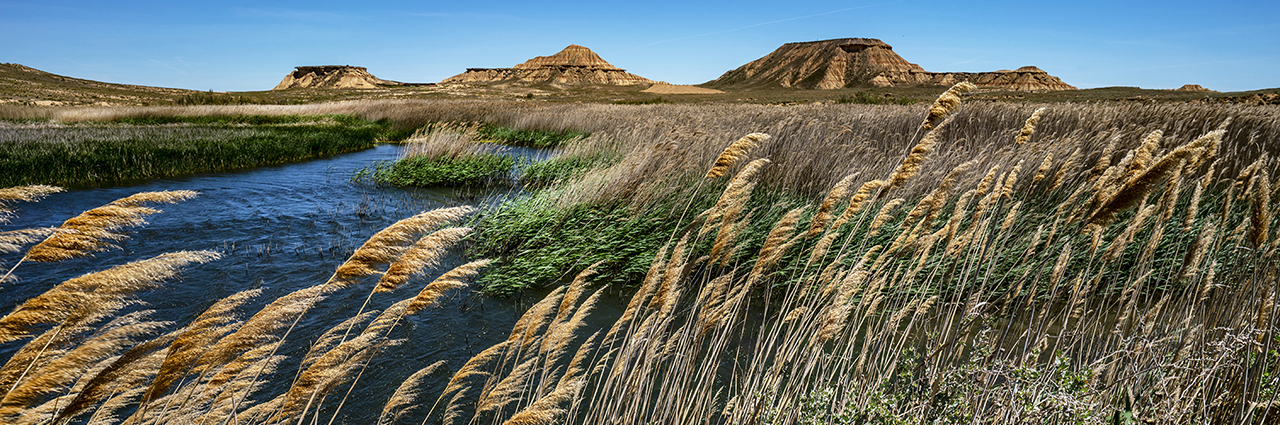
(1194, 88)
(332, 77)
(854, 62)
(574, 66)
(1024, 78)
(826, 64)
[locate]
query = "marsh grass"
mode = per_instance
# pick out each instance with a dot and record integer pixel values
(943, 282)
(151, 147)
(530, 138)
(445, 155)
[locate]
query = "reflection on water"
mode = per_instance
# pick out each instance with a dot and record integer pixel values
(281, 229)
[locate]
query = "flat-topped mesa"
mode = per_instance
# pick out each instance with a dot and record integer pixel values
(574, 66)
(332, 77)
(852, 62)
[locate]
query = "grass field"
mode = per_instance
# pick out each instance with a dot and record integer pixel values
(133, 149)
(960, 262)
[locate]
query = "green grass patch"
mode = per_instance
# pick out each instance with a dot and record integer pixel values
(104, 154)
(537, 244)
(388, 130)
(541, 139)
(545, 173)
(239, 119)
(535, 241)
(472, 170)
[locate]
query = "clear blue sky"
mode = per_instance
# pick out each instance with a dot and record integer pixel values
(248, 45)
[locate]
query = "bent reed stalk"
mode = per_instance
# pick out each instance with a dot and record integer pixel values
(944, 288)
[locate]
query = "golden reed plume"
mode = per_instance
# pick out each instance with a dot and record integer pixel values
(14, 240)
(823, 216)
(910, 165)
(455, 278)
(546, 410)
(1028, 128)
(737, 150)
(22, 194)
(93, 230)
(209, 327)
(81, 296)
(947, 102)
(406, 396)
(423, 255)
(387, 245)
(1128, 194)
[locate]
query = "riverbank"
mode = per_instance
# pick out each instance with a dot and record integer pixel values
(136, 149)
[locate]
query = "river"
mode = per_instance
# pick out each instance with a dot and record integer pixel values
(283, 228)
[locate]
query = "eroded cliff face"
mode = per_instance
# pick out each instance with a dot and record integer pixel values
(574, 66)
(851, 62)
(332, 77)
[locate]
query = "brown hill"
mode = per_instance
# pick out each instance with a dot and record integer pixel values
(853, 62)
(24, 85)
(332, 77)
(574, 66)
(1194, 88)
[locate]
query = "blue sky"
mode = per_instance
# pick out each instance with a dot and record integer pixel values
(246, 45)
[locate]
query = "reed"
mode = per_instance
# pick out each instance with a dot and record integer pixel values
(1021, 300)
(31, 193)
(406, 394)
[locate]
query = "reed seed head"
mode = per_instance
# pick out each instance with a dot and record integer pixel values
(389, 243)
(947, 102)
(452, 279)
(737, 150)
(422, 256)
(1028, 128)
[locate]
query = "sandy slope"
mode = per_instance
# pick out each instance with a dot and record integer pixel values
(665, 88)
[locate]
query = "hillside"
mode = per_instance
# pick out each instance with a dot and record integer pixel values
(24, 85)
(575, 66)
(864, 62)
(333, 77)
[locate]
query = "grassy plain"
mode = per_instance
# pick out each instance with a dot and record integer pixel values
(816, 263)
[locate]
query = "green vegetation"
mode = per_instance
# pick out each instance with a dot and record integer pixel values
(92, 154)
(645, 101)
(564, 167)
(540, 139)
(443, 155)
(161, 119)
(211, 98)
(864, 98)
(478, 169)
(537, 244)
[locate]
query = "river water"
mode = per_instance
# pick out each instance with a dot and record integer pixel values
(283, 228)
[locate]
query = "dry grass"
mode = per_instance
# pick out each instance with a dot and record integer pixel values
(952, 285)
